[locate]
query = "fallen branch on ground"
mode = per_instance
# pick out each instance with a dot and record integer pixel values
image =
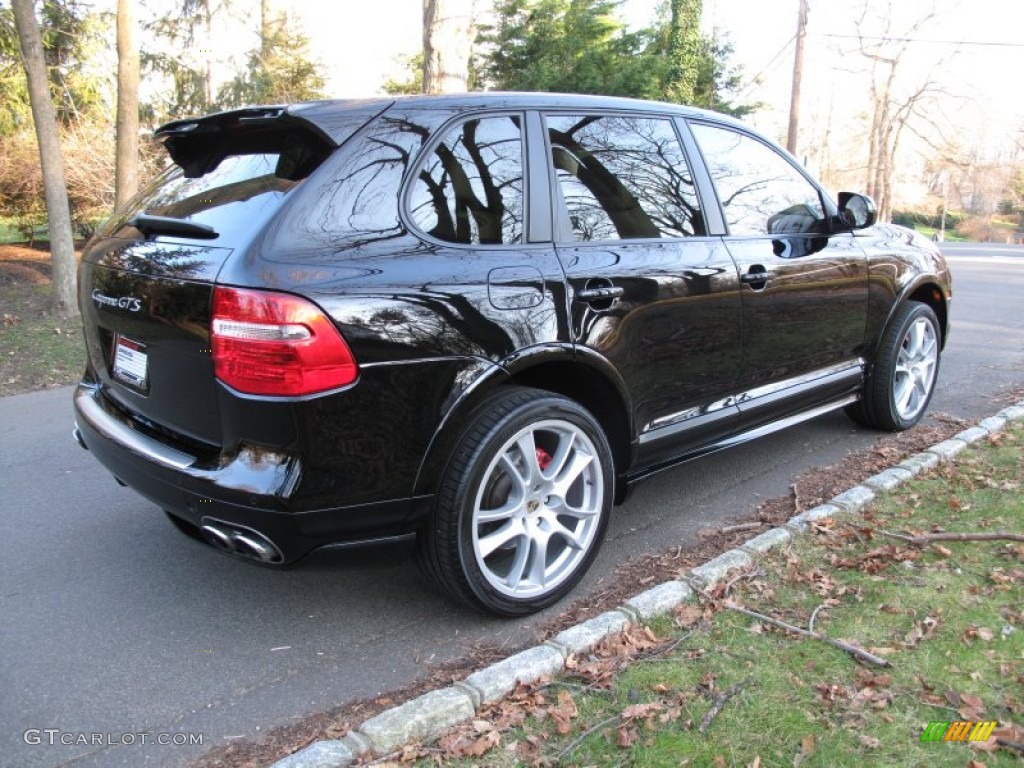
(719, 702)
(752, 573)
(929, 538)
(740, 527)
(1011, 744)
(860, 653)
(814, 615)
(583, 736)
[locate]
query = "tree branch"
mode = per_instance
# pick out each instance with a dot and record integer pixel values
(719, 702)
(853, 650)
(929, 538)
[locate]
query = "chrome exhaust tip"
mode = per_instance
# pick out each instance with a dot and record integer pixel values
(240, 541)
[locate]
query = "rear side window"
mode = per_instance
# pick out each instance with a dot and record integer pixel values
(623, 177)
(471, 188)
(762, 193)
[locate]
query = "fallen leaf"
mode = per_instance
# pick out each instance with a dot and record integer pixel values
(528, 750)
(869, 741)
(922, 630)
(563, 712)
(806, 750)
(688, 615)
(642, 711)
(625, 736)
(484, 744)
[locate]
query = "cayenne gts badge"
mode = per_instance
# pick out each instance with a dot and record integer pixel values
(130, 303)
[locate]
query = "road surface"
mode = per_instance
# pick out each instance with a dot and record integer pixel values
(115, 624)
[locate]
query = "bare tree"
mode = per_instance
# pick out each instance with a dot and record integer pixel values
(62, 247)
(447, 43)
(892, 103)
(126, 176)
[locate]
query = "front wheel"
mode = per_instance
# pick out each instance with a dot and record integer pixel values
(523, 505)
(901, 382)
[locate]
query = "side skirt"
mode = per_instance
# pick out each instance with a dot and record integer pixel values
(742, 437)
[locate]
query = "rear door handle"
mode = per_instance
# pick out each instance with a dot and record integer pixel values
(603, 293)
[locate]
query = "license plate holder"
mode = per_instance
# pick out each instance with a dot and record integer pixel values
(131, 362)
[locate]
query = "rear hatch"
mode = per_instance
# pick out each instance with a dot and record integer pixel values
(146, 282)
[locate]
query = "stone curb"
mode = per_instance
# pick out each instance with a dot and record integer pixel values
(431, 714)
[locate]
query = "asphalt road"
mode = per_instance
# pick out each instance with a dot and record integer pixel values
(115, 624)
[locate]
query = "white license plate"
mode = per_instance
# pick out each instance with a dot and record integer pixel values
(130, 362)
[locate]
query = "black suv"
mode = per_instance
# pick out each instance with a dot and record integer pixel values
(476, 320)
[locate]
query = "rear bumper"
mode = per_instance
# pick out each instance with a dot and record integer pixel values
(253, 489)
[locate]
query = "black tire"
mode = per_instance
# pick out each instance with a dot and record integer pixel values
(900, 382)
(499, 538)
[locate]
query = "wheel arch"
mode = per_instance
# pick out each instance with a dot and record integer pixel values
(927, 289)
(580, 375)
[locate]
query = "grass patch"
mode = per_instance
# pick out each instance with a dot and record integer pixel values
(951, 235)
(949, 618)
(37, 348)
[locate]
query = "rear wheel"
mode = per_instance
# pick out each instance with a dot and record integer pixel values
(901, 382)
(523, 505)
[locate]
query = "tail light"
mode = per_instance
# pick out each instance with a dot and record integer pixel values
(267, 343)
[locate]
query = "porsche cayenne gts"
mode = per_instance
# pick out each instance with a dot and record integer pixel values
(475, 321)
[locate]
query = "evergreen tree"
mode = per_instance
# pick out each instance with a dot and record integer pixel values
(71, 35)
(685, 51)
(278, 71)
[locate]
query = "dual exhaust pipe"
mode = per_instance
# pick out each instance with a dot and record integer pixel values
(240, 541)
(233, 539)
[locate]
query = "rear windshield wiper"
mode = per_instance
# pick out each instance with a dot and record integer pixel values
(165, 225)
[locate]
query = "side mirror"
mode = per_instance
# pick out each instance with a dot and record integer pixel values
(858, 211)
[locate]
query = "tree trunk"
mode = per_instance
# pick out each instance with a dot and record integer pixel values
(58, 212)
(447, 44)
(126, 174)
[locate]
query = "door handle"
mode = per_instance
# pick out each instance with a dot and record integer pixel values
(604, 293)
(756, 277)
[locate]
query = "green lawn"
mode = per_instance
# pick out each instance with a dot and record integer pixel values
(949, 619)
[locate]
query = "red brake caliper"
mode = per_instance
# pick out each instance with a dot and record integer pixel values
(543, 459)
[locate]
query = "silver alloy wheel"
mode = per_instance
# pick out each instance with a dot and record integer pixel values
(538, 509)
(915, 368)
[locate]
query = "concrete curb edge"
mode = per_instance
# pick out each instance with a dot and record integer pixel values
(428, 716)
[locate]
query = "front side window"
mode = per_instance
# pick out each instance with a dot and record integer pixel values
(623, 177)
(471, 188)
(761, 192)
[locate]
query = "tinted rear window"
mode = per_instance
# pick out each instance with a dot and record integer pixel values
(234, 194)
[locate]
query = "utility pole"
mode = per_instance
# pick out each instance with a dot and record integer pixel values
(798, 74)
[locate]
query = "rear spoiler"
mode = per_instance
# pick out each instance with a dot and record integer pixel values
(199, 144)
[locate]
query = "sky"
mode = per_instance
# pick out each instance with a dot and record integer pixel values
(359, 45)
(973, 51)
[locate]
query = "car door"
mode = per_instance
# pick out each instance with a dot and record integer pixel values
(805, 282)
(649, 290)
